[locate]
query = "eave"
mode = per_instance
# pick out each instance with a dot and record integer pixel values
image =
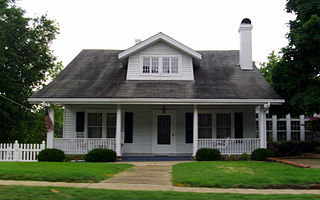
(156, 101)
(156, 38)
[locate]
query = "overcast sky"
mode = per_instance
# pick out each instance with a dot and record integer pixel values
(199, 24)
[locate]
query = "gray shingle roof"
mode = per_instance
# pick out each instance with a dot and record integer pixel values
(99, 74)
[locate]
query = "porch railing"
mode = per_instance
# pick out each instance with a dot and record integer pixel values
(230, 146)
(83, 145)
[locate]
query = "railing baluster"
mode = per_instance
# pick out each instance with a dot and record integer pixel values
(83, 145)
(230, 146)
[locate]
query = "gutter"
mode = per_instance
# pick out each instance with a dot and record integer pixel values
(161, 101)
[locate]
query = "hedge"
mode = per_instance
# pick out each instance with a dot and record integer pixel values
(101, 155)
(51, 155)
(208, 154)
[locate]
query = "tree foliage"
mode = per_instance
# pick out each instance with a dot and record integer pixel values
(26, 63)
(267, 68)
(295, 75)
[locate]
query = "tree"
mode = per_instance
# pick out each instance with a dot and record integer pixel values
(26, 63)
(296, 74)
(266, 68)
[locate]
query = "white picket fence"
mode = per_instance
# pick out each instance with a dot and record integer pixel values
(20, 152)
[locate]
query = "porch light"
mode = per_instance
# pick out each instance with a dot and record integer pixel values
(163, 109)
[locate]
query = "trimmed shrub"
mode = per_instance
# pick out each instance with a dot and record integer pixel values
(208, 155)
(245, 156)
(101, 155)
(262, 154)
(317, 150)
(51, 155)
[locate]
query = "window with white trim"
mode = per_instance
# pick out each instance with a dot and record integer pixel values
(154, 65)
(204, 125)
(94, 125)
(111, 125)
(146, 65)
(160, 65)
(166, 65)
(223, 125)
(174, 65)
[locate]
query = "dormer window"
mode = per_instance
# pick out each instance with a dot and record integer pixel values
(160, 65)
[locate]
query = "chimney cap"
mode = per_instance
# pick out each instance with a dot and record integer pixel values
(246, 21)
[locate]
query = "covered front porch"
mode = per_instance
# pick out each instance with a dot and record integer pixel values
(228, 146)
(161, 129)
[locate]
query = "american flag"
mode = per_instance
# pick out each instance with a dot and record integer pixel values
(48, 121)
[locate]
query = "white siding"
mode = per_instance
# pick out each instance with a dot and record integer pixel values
(142, 132)
(160, 48)
(249, 122)
(181, 145)
(69, 123)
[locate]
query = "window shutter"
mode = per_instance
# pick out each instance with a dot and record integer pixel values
(80, 122)
(128, 127)
(189, 127)
(238, 125)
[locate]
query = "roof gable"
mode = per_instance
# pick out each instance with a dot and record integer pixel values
(156, 38)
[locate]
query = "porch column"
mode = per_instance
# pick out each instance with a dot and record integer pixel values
(274, 128)
(262, 127)
(118, 131)
(302, 128)
(195, 130)
(288, 124)
(50, 134)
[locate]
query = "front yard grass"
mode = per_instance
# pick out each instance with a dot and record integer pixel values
(246, 174)
(59, 171)
(53, 193)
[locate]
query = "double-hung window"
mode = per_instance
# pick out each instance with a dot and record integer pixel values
(223, 125)
(160, 65)
(205, 125)
(154, 65)
(111, 125)
(174, 65)
(146, 65)
(94, 125)
(166, 65)
(150, 65)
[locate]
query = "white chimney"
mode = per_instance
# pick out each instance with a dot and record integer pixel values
(137, 41)
(245, 56)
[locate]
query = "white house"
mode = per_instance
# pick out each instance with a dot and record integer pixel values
(160, 97)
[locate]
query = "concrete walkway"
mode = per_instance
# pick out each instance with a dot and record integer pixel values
(147, 187)
(144, 174)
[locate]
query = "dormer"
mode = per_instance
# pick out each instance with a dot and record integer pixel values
(160, 57)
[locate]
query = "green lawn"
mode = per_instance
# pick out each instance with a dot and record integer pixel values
(249, 174)
(52, 193)
(59, 171)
